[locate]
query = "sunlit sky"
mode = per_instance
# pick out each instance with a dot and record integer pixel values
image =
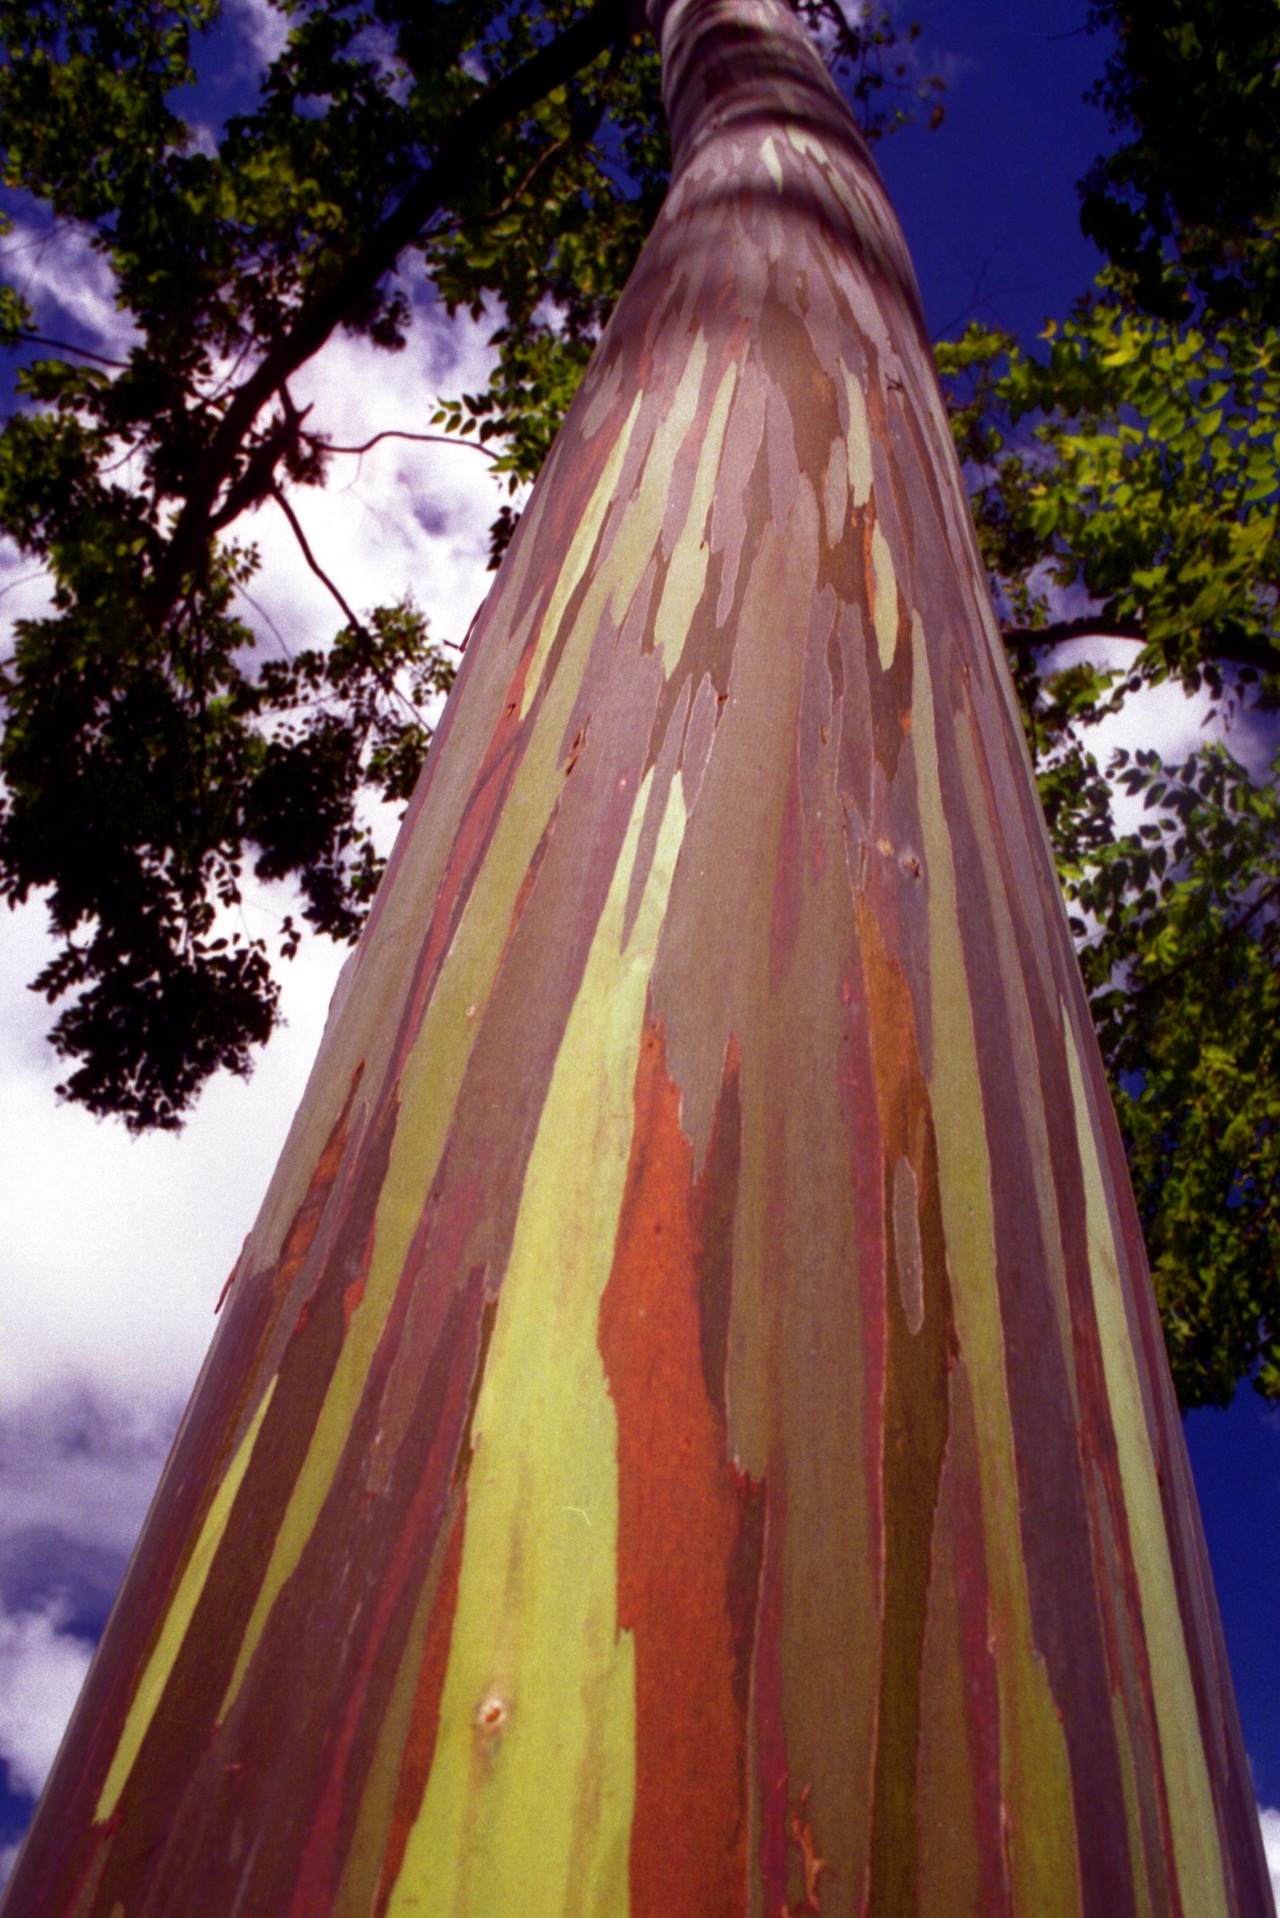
(115, 1250)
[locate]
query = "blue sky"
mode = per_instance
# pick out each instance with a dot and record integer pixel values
(117, 1249)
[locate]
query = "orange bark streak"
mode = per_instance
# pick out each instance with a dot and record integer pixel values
(681, 1512)
(812, 1864)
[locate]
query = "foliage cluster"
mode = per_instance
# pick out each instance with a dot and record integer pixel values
(1131, 464)
(1178, 925)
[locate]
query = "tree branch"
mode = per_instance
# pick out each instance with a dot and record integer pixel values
(385, 679)
(395, 433)
(1034, 639)
(1029, 640)
(278, 496)
(26, 338)
(318, 318)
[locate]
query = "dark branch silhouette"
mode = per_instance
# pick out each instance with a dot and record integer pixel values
(397, 433)
(1028, 640)
(26, 338)
(277, 494)
(325, 311)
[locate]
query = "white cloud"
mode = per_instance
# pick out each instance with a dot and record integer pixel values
(403, 516)
(115, 1249)
(265, 28)
(41, 1671)
(1271, 1845)
(77, 1471)
(63, 277)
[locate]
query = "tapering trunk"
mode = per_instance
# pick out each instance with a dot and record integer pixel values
(689, 1435)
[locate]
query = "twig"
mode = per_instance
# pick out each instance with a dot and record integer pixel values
(1034, 639)
(307, 554)
(396, 433)
(262, 613)
(499, 212)
(1259, 655)
(26, 580)
(65, 346)
(385, 679)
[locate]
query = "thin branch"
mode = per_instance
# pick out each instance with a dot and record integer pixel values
(307, 554)
(64, 346)
(1034, 639)
(385, 679)
(262, 613)
(504, 207)
(395, 433)
(1028, 640)
(26, 580)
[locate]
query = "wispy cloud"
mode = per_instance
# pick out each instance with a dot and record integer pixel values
(67, 282)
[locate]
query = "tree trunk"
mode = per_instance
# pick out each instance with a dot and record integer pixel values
(689, 1436)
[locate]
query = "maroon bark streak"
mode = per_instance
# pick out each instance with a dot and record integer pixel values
(982, 1698)
(915, 1418)
(1055, 1528)
(866, 1173)
(769, 1733)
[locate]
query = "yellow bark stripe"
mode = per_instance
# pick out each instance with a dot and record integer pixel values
(578, 557)
(530, 1796)
(687, 573)
(1034, 1767)
(1191, 1809)
(182, 1607)
(884, 598)
(859, 441)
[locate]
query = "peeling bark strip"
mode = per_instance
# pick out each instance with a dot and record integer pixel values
(689, 1433)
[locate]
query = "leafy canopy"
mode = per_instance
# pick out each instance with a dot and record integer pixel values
(511, 155)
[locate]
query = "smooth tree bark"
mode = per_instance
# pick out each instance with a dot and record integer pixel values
(689, 1435)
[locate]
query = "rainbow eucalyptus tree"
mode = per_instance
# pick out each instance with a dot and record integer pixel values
(688, 1435)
